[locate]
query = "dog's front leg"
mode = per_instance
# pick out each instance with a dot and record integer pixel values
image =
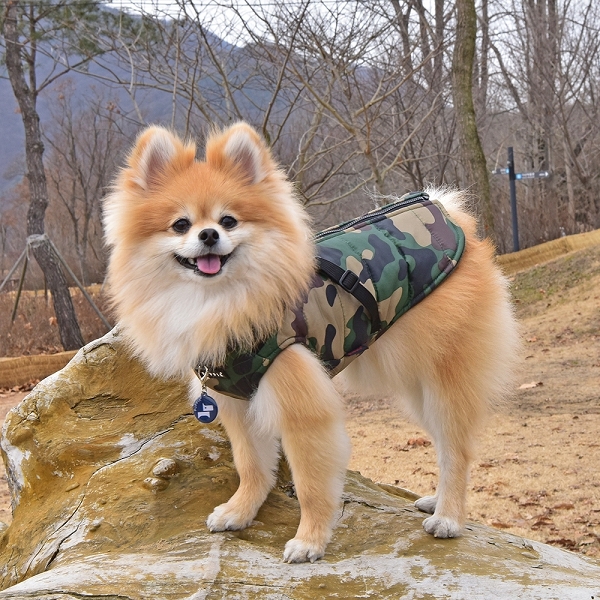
(310, 415)
(255, 454)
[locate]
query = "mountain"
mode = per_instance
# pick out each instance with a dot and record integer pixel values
(251, 92)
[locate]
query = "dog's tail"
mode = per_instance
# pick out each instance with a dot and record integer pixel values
(452, 199)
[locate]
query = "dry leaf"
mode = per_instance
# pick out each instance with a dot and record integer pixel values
(416, 442)
(526, 502)
(488, 464)
(542, 522)
(564, 505)
(533, 384)
(564, 543)
(586, 541)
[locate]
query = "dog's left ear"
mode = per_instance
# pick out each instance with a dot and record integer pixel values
(240, 147)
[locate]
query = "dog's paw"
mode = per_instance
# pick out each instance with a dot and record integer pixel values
(442, 527)
(226, 518)
(427, 504)
(299, 551)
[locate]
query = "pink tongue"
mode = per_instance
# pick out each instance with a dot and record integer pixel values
(209, 264)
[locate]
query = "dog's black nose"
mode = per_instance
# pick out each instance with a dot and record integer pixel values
(209, 236)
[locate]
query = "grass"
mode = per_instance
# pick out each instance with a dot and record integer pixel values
(552, 280)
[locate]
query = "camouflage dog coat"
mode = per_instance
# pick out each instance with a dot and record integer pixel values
(371, 271)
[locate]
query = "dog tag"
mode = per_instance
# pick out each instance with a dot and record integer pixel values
(205, 409)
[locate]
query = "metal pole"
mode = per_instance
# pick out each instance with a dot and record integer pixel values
(5, 281)
(18, 296)
(513, 198)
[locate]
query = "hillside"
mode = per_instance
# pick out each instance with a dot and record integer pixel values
(155, 101)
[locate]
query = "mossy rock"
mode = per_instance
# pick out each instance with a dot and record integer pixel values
(112, 479)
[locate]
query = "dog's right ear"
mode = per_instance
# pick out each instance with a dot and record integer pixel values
(156, 155)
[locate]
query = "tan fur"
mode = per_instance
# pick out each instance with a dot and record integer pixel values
(448, 360)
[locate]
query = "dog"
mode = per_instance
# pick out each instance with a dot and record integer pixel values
(211, 257)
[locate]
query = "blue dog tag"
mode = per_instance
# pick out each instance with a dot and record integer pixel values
(205, 409)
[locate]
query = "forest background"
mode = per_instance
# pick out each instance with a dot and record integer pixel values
(357, 99)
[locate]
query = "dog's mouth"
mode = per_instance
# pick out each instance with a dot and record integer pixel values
(207, 265)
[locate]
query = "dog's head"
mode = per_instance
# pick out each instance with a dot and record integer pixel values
(206, 213)
(224, 235)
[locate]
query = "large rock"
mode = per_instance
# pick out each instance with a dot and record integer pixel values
(112, 479)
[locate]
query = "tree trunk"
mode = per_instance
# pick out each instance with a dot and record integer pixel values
(484, 75)
(403, 21)
(438, 59)
(473, 159)
(70, 334)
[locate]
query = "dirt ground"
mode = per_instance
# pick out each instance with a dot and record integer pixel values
(536, 474)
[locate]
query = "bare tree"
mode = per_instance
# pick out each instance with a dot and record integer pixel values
(16, 56)
(351, 96)
(11, 244)
(366, 74)
(481, 73)
(549, 102)
(86, 139)
(379, 97)
(66, 33)
(474, 161)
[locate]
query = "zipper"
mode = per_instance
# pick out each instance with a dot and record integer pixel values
(406, 200)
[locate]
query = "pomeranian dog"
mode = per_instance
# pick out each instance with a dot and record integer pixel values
(210, 258)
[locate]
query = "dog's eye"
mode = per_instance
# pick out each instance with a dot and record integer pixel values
(181, 226)
(228, 222)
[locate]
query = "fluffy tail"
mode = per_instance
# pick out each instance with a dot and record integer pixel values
(453, 199)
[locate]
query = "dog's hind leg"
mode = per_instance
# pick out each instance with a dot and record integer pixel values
(452, 432)
(314, 440)
(255, 453)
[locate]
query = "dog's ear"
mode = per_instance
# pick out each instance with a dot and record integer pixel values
(242, 148)
(157, 154)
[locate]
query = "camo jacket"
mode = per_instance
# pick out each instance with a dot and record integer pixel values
(400, 253)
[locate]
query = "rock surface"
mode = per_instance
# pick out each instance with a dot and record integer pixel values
(112, 479)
